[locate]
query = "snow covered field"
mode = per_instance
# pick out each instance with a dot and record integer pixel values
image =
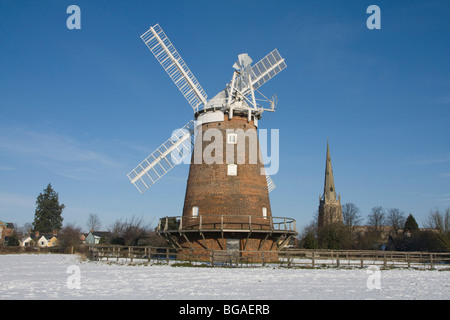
(53, 276)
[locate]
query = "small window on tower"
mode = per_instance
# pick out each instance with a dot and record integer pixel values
(232, 170)
(232, 138)
(195, 212)
(264, 211)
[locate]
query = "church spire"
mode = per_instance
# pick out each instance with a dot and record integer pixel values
(330, 209)
(329, 192)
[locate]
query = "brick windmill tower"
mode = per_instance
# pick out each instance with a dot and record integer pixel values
(330, 209)
(227, 204)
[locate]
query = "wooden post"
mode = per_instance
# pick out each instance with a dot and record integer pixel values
(337, 259)
(152, 250)
(212, 258)
(167, 255)
(431, 261)
(312, 260)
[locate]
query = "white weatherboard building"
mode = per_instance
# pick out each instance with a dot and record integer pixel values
(94, 237)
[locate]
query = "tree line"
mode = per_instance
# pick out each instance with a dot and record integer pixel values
(48, 219)
(384, 228)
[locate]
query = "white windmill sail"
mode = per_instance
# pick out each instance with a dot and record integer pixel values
(267, 68)
(249, 78)
(169, 58)
(163, 159)
(270, 183)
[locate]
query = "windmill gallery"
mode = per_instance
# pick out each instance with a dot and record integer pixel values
(226, 206)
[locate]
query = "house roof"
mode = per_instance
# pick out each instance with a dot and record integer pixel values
(9, 225)
(47, 236)
(100, 233)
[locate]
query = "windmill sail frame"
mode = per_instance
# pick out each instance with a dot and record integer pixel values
(164, 158)
(267, 68)
(169, 58)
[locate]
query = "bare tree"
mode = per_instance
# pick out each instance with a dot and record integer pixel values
(441, 222)
(396, 219)
(93, 222)
(129, 232)
(24, 230)
(377, 218)
(69, 236)
(350, 213)
(135, 230)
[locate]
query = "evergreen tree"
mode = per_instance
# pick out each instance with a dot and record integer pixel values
(12, 240)
(410, 224)
(47, 216)
(309, 241)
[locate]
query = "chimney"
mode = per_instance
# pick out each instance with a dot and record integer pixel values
(36, 233)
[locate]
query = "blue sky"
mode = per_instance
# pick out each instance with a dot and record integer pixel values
(80, 108)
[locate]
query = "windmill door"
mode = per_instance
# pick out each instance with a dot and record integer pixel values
(233, 245)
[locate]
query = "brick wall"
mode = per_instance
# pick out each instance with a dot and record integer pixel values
(216, 193)
(213, 191)
(199, 248)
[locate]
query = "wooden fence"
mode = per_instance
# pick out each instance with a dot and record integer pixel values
(356, 258)
(130, 253)
(285, 258)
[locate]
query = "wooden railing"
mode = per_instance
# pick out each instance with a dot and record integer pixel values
(286, 258)
(357, 258)
(129, 253)
(226, 222)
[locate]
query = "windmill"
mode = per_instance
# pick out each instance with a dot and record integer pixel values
(227, 203)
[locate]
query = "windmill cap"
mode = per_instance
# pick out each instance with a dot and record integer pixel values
(243, 61)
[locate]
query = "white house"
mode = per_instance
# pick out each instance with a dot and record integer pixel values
(25, 242)
(40, 240)
(94, 236)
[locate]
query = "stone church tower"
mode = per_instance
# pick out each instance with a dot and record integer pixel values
(330, 209)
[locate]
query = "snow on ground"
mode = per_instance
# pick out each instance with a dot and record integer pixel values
(53, 276)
